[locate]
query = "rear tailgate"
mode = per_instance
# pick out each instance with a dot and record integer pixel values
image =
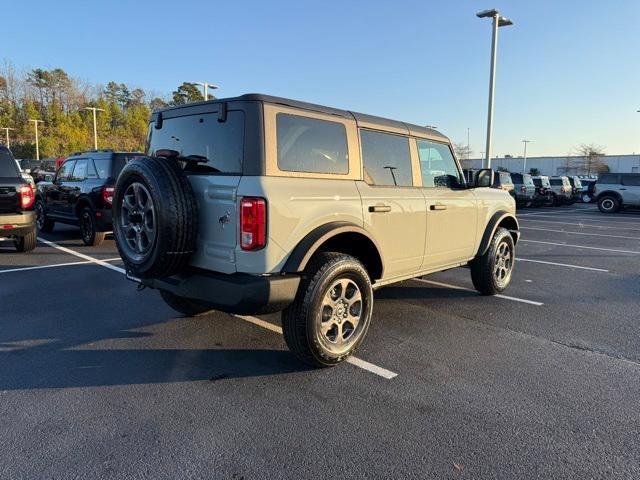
(217, 221)
(9, 197)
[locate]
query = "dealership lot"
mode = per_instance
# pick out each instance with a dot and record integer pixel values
(98, 380)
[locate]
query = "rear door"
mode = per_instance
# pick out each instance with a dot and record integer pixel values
(393, 205)
(631, 186)
(451, 207)
(218, 146)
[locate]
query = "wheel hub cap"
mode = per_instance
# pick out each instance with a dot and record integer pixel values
(138, 219)
(341, 313)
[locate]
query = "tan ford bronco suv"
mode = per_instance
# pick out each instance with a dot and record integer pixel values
(258, 204)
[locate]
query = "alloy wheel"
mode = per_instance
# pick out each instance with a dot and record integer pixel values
(340, 314)
(138, 219)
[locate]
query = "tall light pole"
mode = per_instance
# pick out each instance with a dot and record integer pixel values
(35, 125)
(498, 21)
(468, 144)
(95, 128)
(6, 131)
(205, 88)
(524, 164)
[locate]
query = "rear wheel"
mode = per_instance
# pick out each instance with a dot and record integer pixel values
(26, 243)
(186, 306)
(491, 272)
(586, 198)
(43, 223)
(90, 236)
(332, 311)
(608, 204)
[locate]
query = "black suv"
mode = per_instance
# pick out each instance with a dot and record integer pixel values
(17, 218)
(81, 193)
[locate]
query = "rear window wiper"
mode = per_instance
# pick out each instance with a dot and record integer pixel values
(191, 160)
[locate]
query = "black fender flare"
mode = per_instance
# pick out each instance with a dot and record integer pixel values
(492, 226)
(83, 200)
(611, 193)
(310, 244)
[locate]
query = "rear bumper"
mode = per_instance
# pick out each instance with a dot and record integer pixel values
(17, 224)
(239, 293)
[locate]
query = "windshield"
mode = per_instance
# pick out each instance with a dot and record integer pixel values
(213, 146)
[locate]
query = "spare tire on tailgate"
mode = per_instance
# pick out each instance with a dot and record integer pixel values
(155, 217)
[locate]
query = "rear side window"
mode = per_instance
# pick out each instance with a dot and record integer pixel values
(609, 178)
(631, 180)
(217, 146)
(437, 165)
(386, 159)
(8, 166)
(311, 145)
(80, 171)
(555, 181)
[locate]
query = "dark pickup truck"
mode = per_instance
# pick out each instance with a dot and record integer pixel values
(17, 217)
(81, 193)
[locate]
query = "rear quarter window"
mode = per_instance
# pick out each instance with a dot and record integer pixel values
(631, 180)
(609, 178)
(311, 145)
(555, 181)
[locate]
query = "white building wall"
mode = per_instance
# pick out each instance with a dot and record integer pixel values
(556, 165)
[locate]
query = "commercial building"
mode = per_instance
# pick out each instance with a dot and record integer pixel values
(566, 165)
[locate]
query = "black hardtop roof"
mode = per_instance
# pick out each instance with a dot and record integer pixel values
(101, 152)
(359, 117)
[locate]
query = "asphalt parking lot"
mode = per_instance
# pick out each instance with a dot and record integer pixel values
(98, 380)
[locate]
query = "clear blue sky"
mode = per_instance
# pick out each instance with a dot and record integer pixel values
(568, 71)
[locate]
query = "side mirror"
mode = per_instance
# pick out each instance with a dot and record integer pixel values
(484, 178)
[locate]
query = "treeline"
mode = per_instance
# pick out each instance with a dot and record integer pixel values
(59, 100)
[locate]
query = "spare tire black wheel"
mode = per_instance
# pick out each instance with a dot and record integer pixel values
(155, 217)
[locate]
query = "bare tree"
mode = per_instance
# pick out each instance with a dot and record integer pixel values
(591, 158)
(463, 153)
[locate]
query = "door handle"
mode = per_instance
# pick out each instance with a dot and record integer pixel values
(437, 206)
(622, 189)
(379, 208)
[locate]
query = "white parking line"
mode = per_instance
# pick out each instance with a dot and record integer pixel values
(580, 224)
(579, 233)
(97, 261)
(39, 267)
(457, 287)
(358, 362)
(580, 246)
(580, 267)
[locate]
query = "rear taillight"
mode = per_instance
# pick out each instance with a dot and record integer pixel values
(523, 189)
(27, 198)
(253, 223)
(107, 195)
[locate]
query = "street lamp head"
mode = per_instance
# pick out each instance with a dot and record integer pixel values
(504, 22)
(487, 13)
(432, 127)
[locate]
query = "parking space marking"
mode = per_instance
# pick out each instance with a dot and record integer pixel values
(358, 362)
(580, 246)
(40, 267)
(97, 261)
(593, 269)
(355, 361)
(458, 287)
(579, 233)
(582, 225)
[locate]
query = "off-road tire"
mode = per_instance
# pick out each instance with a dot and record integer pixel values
(175, 213)
(184, 305)
(299, 319)
(608, 204)
(44, 224)
(26, 243)
(90, 236)
(483, 267)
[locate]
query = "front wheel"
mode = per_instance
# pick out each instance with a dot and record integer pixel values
(491, 272)
(608, 204)
(332, 310)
